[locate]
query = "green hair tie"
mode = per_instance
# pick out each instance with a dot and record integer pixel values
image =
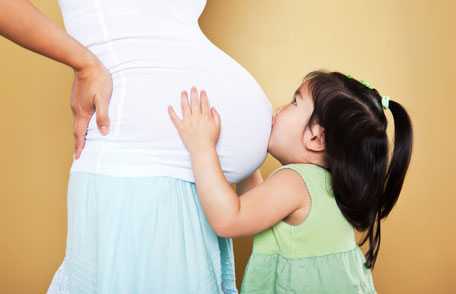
(385, 102)
(365, 83)
(385, 99)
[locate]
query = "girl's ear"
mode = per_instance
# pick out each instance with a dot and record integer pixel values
(316, 139)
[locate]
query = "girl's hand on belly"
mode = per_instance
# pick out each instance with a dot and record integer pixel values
(262, 204)
(199, 127)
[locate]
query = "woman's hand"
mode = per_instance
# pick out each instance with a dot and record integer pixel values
(91, 92)
(25, 25)
(200, 126)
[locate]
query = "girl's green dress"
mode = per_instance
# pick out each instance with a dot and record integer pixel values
(317, 256)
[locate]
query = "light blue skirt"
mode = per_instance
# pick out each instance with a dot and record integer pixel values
(140, 235)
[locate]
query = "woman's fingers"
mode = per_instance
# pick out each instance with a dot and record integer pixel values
(101, 107)
(91, 92)
(79, 131)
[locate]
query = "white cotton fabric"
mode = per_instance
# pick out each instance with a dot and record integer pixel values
(154, 50)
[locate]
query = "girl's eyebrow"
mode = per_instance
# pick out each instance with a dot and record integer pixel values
(297, 93)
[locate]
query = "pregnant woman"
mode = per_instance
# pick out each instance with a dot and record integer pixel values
(135, 224)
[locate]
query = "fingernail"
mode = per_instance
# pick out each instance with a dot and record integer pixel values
(104, 130)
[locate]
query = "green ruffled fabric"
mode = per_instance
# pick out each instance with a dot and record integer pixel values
(338, 273)
(318, 256)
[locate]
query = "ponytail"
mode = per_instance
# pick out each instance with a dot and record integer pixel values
(395, 175)
(403, 141)
(366, 186)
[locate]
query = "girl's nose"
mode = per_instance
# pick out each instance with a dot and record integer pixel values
(274, 115)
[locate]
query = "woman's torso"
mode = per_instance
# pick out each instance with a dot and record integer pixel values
(320, 255)
(154, 49)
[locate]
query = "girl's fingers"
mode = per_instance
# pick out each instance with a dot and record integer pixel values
(195, 102)
(204, 103)
(215, 116)
(184, 104)
(174, 118)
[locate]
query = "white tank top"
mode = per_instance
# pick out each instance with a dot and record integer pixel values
(154, 49)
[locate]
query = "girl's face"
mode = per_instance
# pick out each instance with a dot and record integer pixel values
(291, 136)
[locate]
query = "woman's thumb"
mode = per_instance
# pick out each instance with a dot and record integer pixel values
(102, 108)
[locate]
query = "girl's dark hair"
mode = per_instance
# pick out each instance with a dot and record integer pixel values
(365, 183)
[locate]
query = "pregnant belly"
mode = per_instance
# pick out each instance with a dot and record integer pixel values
(142, 135)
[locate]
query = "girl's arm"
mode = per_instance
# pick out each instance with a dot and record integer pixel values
(257, 209)
(23, 24)
(250, 182)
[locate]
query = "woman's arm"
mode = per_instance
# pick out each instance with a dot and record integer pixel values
(257, 209)
(23, 24)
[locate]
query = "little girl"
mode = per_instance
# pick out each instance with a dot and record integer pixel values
(335, 177)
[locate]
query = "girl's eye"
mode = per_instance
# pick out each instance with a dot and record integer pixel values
(295, 96)
(294, 101)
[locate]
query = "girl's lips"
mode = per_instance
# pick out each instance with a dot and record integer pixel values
(274, 115)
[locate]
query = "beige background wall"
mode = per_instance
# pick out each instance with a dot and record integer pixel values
(406, 48)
